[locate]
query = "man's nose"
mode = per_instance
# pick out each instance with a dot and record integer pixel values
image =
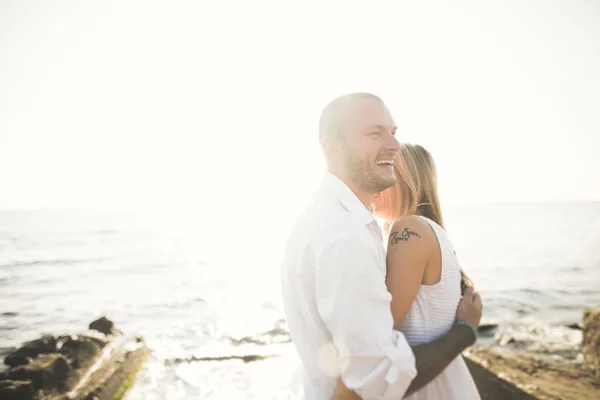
(393, 144)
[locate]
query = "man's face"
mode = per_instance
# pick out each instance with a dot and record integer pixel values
(368, 145)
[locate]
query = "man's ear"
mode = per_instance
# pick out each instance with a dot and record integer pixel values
(330, 147)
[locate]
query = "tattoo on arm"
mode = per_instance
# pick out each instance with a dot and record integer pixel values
(406, 234)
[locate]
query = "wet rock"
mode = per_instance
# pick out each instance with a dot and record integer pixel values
(103, 325)
(95, 395)
(501, 373)
(92, 335)
(115, 373)
(45, 345)
(45, 371)
(96, 336)
(591, 339)
(44, 368)
(4, 351)
(81, 349)
(486, 328)
(245, 358)
(576, 325)
(16, 390)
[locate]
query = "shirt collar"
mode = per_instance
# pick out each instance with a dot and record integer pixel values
(349, 200)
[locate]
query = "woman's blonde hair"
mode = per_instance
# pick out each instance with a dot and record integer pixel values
(416, 190)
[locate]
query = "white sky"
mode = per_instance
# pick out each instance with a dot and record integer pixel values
(213, 106)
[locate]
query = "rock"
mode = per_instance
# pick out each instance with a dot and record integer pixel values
(93, 396)
(103, 325)
(591, 339)
(484, 328)
(16, 390)
(576, 325)
(492, 386)
(4, 351)
(45, 371)
(501, 373)
(112, 377)
(96, 336)
(45, 345)
(42, 369)
(81, 349)
(92, 335)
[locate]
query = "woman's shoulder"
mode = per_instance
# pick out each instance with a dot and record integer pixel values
(411, 220)
(408, 227)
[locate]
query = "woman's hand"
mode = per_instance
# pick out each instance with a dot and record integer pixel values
(343, 393)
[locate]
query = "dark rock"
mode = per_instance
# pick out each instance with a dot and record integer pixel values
(60, 339)
(45, 345)
(575, 325)
(591, 339)
(4, 351)
(16, 390)
(491, 386)
(45, 371)
(96, 336)
(81, 349)
(46, 366)
(94, 395)
(103, 325)
(484, 328)
(245, 358)
(502, 373)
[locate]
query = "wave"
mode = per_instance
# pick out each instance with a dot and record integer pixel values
(67, 261)
(274, 336)
(245, 358)
(182, 303)
(9, 314)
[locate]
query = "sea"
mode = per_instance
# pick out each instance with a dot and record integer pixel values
(202, 303)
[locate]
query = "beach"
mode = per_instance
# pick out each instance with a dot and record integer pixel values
(213, 320)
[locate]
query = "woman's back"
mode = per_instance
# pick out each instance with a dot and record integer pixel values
(431, 315)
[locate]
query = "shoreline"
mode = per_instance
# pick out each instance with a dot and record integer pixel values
(99, 363)
(520, 361)
(521, 365)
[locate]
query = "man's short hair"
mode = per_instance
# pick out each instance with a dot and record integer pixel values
(333, 113)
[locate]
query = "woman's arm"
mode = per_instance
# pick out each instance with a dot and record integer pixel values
(409, 248)
(407, 255)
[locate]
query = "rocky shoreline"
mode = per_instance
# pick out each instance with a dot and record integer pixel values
(515, 370)
(522, 363)
(98, 364)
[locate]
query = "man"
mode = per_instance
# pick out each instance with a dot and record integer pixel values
(333, 273)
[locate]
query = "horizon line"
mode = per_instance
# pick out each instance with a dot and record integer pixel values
(160, 209)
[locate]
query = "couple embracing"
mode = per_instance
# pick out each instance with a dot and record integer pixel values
(376, 311)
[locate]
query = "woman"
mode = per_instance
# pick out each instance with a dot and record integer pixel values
(423, 273)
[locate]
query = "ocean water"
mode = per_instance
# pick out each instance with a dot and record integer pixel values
(191, 296)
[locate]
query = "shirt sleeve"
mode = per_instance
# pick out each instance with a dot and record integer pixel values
(375, 361)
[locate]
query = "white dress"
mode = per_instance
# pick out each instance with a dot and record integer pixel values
(431, 315)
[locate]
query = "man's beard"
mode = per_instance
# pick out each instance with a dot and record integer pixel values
(363, 174)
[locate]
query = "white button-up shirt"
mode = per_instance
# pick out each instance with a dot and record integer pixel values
(336, 303)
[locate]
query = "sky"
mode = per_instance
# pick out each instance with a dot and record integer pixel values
(212, 107)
